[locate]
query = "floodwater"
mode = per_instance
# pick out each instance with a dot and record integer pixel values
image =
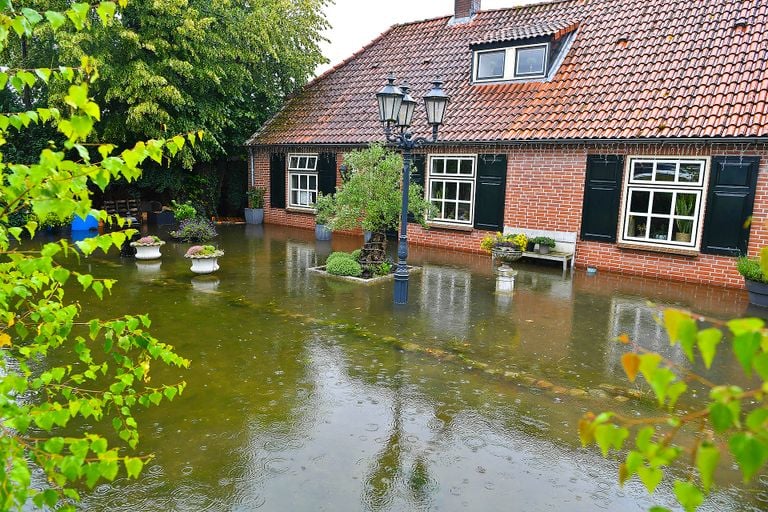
(308, 393)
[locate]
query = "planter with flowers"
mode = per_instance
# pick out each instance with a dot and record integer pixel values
(204, 258)
(148, 247)
(506, 248)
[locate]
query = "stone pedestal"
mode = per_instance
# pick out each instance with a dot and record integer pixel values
(505, 280)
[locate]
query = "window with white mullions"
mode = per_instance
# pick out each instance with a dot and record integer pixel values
(663, 202)
(302, 181)
(451, 189)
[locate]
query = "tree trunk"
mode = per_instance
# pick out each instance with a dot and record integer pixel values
(374, 251)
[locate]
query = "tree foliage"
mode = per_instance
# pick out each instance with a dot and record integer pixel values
(371, 199)
(733, 420)
(108, 374)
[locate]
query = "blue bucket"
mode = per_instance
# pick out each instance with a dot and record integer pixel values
(87, 224)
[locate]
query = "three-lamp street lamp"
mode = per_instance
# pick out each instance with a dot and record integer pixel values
(396, 109)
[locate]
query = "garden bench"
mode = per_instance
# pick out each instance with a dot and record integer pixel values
(564, 250)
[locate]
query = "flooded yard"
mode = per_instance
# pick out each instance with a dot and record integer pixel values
(308, 393)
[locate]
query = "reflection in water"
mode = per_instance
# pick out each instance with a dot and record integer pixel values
(311, 394)
(205, 284)
(298, 258)
(445, 299)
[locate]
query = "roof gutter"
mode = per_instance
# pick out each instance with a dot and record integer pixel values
(678, 140)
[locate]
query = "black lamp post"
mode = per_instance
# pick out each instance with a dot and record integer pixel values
(396, 109)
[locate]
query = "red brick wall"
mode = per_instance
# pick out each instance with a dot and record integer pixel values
(545, 190)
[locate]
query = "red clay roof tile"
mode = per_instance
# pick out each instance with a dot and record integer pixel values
(636, 69)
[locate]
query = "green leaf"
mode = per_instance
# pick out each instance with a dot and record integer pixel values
(651, 477)
(133, 466)
(760, 363)
(56, 19)
(54, 445)
(745, 346)
(757, 420)
(750, 453)
(707, 457)
(85, 280)
(721, 417)
(689, 496)
(764, 262)
(741, 325)
(32, 15)
(708, 340)
(106, 12)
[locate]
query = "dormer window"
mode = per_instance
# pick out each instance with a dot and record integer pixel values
(513, 63)
(490, 64)
(531, 61)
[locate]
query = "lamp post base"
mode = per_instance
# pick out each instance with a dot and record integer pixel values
(401, 284)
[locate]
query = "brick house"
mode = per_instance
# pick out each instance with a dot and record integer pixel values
(638, 125)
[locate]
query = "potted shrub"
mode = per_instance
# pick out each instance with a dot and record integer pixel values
(148, 247)
(755, 278)
(545, 244)
(684, 205)
(507, 248)
(324, 208)
(204, 258)
(254, 214)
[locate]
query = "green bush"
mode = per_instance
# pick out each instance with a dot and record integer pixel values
(343, 266)
(356, 254)
(195, 230)
(750, 269)
(339, 255)
(183, 211)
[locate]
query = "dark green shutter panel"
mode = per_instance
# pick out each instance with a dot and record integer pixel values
(731, 196)
(277, 180)
(602, 197)
(326, 173)
(418, 168)
(490, 192)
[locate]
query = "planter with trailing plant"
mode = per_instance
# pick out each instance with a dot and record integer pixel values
(254, 214)
(148, 247)
(755, 280)
(204, 258)
(505, 248)
(544, 244)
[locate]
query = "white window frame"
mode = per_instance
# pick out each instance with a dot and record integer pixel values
(302, 165)
(632, 185)
(510, 64)
(444, 177)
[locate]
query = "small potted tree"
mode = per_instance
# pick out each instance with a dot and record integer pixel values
(204, 258)
(254, 214)
(544, 243)
(148, 247)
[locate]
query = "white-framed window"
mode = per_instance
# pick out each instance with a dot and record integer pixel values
(663, 201)
(302, 181)
(514, 63)
(451, 188)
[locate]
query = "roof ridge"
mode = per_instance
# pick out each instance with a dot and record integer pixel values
(534, 4)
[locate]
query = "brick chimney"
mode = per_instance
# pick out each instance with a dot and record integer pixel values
(464, 11)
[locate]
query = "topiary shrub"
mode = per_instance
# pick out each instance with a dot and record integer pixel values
(340, 266)
(750, 269)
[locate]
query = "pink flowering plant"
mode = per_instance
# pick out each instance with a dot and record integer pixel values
(147, 241)
(203, 251)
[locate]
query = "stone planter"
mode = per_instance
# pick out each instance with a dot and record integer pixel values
(682, 237)
(322, 232)
(254, 215)
(204, 265)
(147, 252)
(544, 249)
(507, 254)
(758, 293)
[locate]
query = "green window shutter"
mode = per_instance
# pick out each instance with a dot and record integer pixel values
(277, 180)
(418, 163)
(490, 192)
(602, 197)
(732, 184)
(326, 173)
